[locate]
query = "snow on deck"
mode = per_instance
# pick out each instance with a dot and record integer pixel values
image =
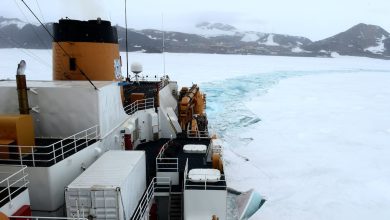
(321, 150)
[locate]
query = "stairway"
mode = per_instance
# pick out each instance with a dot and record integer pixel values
(176, 206)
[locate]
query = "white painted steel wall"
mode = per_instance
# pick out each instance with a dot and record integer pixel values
(9, 100)
(63, 109)
(146, 127)
(166, 97)
(112, 116)
(168, 125)
(203, 204)
(166, 129)
(111, 111)
(47, 184)
(115, 181)
(20, 200)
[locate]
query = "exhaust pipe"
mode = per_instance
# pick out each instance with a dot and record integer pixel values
(21, 86)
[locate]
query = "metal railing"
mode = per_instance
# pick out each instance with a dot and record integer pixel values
(166, 164)
(42, 217)
(13, 182)
(197, 134)
(53, 153)
(157, 185)
(139, 105)
(204, 185)
(185, 173)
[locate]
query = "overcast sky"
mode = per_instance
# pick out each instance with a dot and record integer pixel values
(315, 19)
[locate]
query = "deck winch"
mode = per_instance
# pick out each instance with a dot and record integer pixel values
(192, 108)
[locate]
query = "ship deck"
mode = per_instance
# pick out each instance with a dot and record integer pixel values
(175, 150)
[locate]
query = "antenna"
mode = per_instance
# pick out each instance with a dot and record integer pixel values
(163, 41)
(127, 45)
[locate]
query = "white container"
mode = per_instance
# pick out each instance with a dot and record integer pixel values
(110, 188)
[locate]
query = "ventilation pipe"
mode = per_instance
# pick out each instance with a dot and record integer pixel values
(21, 86)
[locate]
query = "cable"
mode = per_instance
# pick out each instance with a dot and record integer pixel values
(43, 43)
(40, 11)
(59, 45)
(32, 26)
(27, 52)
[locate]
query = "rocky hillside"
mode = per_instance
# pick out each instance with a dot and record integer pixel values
(360, 40)
(15, 33)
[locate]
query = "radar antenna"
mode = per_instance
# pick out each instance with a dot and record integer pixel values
(136, 68)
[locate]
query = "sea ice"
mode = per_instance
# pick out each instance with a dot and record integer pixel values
(310, 134)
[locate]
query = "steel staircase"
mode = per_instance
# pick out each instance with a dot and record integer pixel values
(176, 206)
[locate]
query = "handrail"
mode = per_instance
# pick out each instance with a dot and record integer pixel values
(185, 173)
(197, 134)
(162, 150)
(207, 185)
(16, 180)
(167, 164)
(157, 185)
(55, 152)
(139, 105)
(132, 108)
(164, 163)
(162, 81)
(203, 185)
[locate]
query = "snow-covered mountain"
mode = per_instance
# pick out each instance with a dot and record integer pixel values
(12, 21)
(206, 37)
(207, 29)
(360, 40)
(15, 33)
(223, 38)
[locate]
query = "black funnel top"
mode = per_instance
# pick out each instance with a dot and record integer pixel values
(99, 31)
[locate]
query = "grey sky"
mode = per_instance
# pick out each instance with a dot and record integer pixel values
(315, 19)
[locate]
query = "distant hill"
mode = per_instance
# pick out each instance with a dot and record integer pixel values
(15, 33)
(360, 40)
